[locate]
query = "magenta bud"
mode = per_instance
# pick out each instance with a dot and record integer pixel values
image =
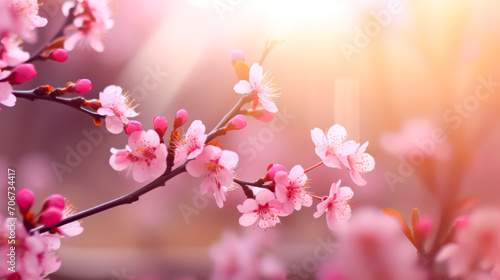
(83, 86)
(59, 55)
(180, 118)
(51, 216)
(237, 55)
(24, 72)
(54, 200)
(275, 168)
(24, 199)
(425, 225)
(160, 124)
(238, 122)
(132, 127)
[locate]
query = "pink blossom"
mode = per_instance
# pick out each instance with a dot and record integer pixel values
(61, 55)
(7, 98)
(180, 118)
(191, 145)
(146, 154)
(245, 258)
(290, 189)
(10, 52)
(26, 14)
(372, 247)
(23, 73)
(116, 106)
(34, 255)
(260, 87)
(217, 168)
(90, 26)
(336, 205)
(331, 147)
(273, 169)
(83, 85)
(264, 209)
(70, 229)
(476, 246)
(358, 162)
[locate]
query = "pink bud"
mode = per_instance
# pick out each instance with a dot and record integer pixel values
(24, 72)
(237, 55)
(24, 198)
(267, 116)
(462, 222)
(83, 86)
(59, 55)
(133, 126)
(425, 225)
(54, 200)
(160, 124)
(51, 216)
(238, 122)
(273, 169)
(180, 118)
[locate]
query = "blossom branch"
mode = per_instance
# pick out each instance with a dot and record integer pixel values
(126, 199)
(76, 103)
(231, 114)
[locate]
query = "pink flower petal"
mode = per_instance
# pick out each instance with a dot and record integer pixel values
(242, 87)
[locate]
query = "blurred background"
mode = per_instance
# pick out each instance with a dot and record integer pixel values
(395, 73)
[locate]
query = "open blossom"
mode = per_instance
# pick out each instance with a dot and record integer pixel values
(10, 52)
(25, 18)
(90, 26)
(264, 209)
(290, 189)
(358, 162)
(35, 255)
(191, 145)
(70, 229)
(336, 205)
(146, 154)
(217, 168)
(331, 147)
(476, 246)
(6, 97)
(372, 247)
(260, 87)
(116, 107)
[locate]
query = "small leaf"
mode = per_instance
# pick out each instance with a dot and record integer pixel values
(404, 226)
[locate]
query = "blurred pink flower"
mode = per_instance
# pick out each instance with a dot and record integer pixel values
(217, 168)
(34, 254)
(116, 106)
(290, 189)
(336, 206)
(244, 258)
(260, 87)
(191, 145)
(10, 52)
(90, 26)
(477, 246)
(264, 209)
(417, 134)
(25, 13)
(358, 162)
(146, 154)
(6, 97)
(331, 147)
(372, 247)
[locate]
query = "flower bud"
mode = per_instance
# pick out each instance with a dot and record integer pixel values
(133, 126)
(271, 171)
(237, 55)
(237, 123)
(50, 216)
(83, 86)
(59, 55)
(180, 118)
(23, 73)
(24, 199)
(54, 200)
(160, 125)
